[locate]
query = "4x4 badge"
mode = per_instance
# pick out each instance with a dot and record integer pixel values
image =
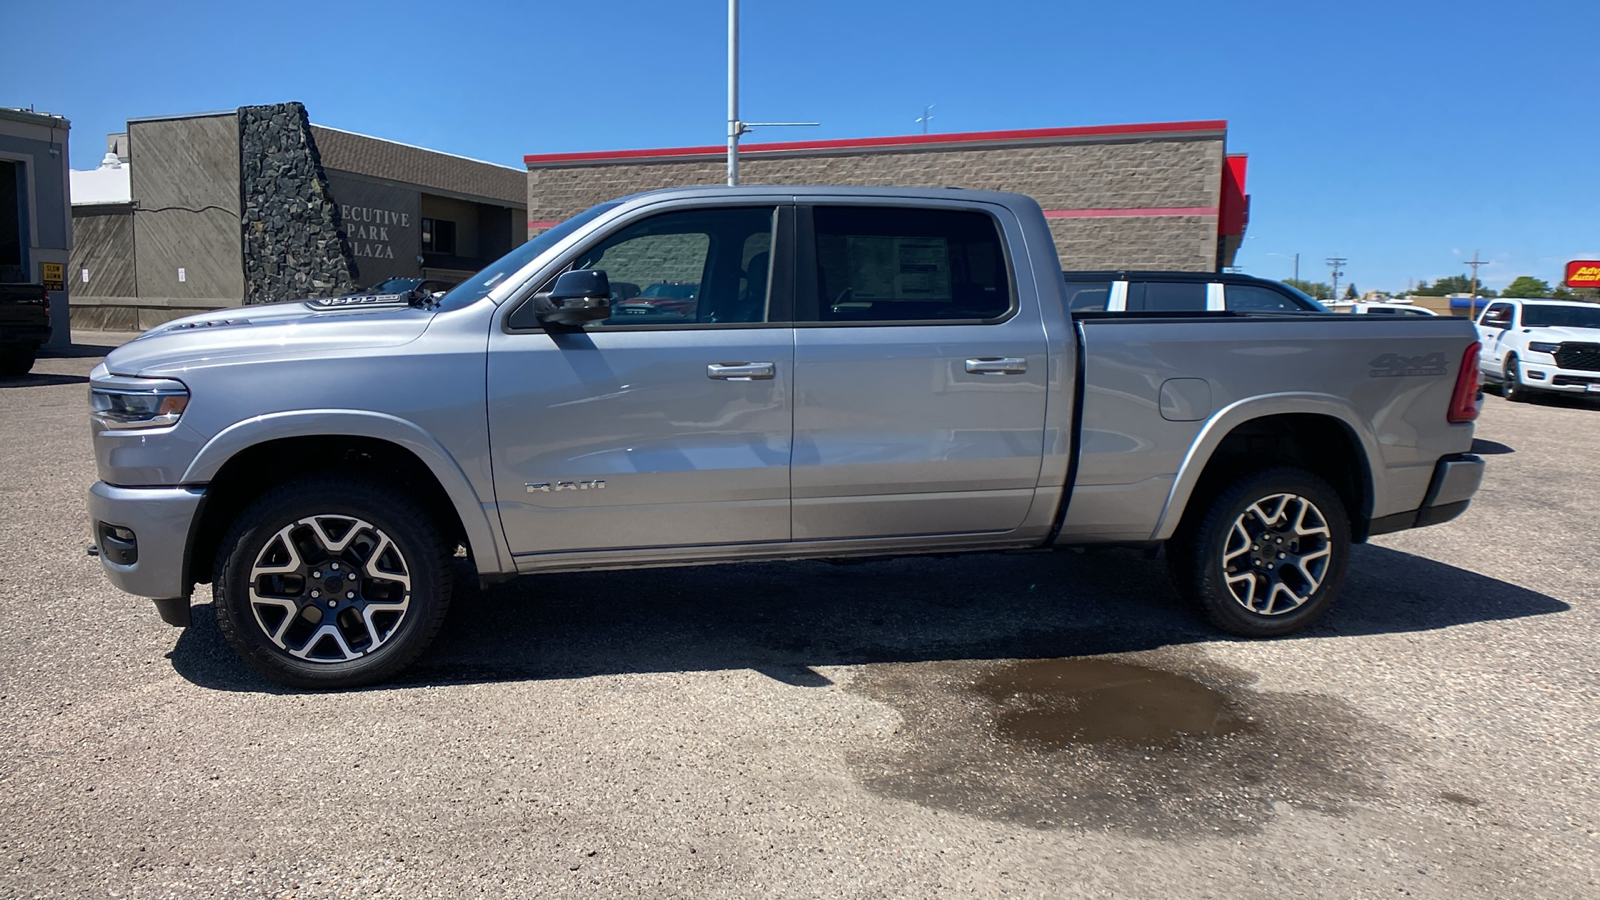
(1393, 365)
(545, 487)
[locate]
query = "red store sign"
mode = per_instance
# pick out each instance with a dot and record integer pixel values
(1583, 273)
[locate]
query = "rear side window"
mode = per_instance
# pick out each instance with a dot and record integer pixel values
(908, 265)
(1255, 297)
(1166, 296)
(1088, 296)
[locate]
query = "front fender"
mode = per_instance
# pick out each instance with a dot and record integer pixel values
(1235, 414)
(488, 549)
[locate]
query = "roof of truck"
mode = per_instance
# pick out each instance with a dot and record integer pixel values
(1155, 274)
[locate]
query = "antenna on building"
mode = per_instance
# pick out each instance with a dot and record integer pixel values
(736, 127)
(926, 117)
(1334, 262)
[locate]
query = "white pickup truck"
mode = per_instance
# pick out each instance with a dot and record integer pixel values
(1540, 345)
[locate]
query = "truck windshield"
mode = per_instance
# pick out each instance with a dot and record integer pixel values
(1538, 316)
(478, 286)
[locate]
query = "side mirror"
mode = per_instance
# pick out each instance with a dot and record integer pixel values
(579, 297)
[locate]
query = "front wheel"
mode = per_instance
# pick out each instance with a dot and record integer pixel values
(1511, 386)
(332, 582)
(1267, 556)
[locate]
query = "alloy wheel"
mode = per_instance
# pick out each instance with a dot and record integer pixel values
(1277, 554)
(330, 588)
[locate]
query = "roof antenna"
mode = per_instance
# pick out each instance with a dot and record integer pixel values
(925, 118)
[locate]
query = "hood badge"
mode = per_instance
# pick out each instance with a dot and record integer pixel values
(546, 487)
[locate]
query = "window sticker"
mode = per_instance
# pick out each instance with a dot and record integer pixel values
(898, 268)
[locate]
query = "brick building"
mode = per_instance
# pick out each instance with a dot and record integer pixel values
(1152, 196)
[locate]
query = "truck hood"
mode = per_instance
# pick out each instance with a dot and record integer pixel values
(280, 330)
(1562, 333)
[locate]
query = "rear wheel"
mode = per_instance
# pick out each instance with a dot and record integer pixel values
(17, 360)
(1267, 556)
(332, 582)
(1511, 386)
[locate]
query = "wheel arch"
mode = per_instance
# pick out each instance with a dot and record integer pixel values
(242, 462)
(1319, 433)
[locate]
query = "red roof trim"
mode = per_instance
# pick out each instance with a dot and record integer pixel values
(911, 140)
(1130, 212)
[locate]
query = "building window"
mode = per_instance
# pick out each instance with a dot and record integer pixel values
(438, 236)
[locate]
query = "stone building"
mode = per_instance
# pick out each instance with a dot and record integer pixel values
(254, 205)
(35, 220)
(1150, 196)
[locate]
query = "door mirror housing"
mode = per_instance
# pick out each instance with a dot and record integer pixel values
(579, 297)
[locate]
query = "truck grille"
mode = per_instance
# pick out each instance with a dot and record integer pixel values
(1583, 357)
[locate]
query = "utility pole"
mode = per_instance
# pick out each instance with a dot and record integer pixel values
(926, 117)
(1472, 298)
(1297, 267)
(736, 127)
(1334, 262)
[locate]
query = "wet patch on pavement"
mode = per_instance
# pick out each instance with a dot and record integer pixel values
(1162, 744)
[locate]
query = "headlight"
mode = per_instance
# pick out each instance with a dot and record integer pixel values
(1543, 347)
(120, 402)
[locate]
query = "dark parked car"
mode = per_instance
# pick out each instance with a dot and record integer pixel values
(24, 326)
(1147, 291)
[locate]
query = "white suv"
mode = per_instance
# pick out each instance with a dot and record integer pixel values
(1540, 345)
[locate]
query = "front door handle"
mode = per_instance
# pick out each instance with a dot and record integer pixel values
(757, 371)
(997, 365)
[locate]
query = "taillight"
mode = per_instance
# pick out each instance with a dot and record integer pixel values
(1464, 401)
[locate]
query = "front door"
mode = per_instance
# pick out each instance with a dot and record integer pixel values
(919, 384)
(668, 424)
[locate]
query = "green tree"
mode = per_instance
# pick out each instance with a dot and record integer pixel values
(1350, 292)
(1527, 286)
(1452, 284)
(1561, 293)
(1317, 290)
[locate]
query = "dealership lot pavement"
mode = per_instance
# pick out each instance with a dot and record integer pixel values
(911, 728)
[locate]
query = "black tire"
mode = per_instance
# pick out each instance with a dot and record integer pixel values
(389, 601)
(1210, 566)
(17, 360)
(1511, 386)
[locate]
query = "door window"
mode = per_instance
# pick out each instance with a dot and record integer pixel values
(1167, 296)
(1497, 316)
(696, 267)
(1255, 297)
(1088, 296)
(889, 265)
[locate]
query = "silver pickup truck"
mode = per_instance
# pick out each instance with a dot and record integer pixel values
(706, 375)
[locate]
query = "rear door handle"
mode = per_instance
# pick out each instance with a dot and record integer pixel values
(997, 365)
(757, 371)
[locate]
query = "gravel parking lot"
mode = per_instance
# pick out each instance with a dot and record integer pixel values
(912, 728)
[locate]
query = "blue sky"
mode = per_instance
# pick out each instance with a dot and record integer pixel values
(1402, 135)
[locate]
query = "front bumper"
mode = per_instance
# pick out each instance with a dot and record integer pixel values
(1542, 377)
(1455, 479)
(160, 519)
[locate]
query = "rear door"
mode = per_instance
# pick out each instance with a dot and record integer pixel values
(919, 375)
(667, 424)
